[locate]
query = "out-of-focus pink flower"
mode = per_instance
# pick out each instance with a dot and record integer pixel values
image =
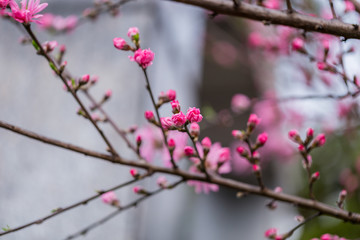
(321, 65)
(171, 143)
(272, 4)
(134, 172)
(201, 186)
(262, 138)
(149, 115)
(315, 176)
(28, 12)
(108, 93)
(178, 119)
(175, 105)
(143, 57)
(319, 140)
(119, 43)
(49, 46)
(189, 151)
(298, 44)
(132, 32)
(349, 6)
(109, 198)
(240, 103)
(224, 53)
(85, 78)
(294, 135)
(4, 3)
(270, 233)
(256, 168)
(161, 182)
(166, 122)
(193, 115)
(206, 143)
(344, 109)
(278, 190)
(310, 133)
(137, 189)
(255, 39)
(171, 94)
(253, 120)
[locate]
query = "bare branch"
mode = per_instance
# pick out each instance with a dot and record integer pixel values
(225, 182)
(296, 20)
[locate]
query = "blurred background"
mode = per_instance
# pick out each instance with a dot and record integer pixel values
(207, 59)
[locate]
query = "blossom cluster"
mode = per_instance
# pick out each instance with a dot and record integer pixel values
(55, 23)
(25, 13)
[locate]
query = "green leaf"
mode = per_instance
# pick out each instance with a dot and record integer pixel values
(7, 228)
(53, 67)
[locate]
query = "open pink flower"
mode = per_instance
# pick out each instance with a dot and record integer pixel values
(193, 115)
(143, 57)
(28, 11)
(4, 3)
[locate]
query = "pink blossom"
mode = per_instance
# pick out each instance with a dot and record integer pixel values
(189, 151)
(321, 65)
(161, 182)
(171, 94)
(178, 119)
(326, 236)
(237, 134)
(171, 143)
(62, 48)
(143, 57)
(166, 122)
(138, 139)
(120, 43)
(132, 32)
(301, 148)
(242, 151)
(175, 106)
(256, 168)
(271, 233)
(85, 78)
(134, 172)
(262, 138)
(149, 115)
(278, 190)
(310, 133)
(202, 186)
(325, 43)
(224, 53)
(272, 4)
(224, 155)
(193, 115)
(298, 44)
(180, 140)
(294, 135)
(315, 175)
(49, 46)
(109, 198)
(28, 11)
(255, 39)
(240, 103)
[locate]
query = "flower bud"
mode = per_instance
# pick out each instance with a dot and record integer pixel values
(242, 151)
(189, 151)
(110, 198)
(294, 136)
(134, 172)
(171, 144)
(206, 143)
(175, 106)
(194, 130)
(261, 139)
(84, 79)
(171, 95)
(256, 168)
(319, 140)
(121, 44)
(237, 134)
(161, 182)
(108, 94)
(298, 44)
(149, 115)
(138, 140)
(315, 176)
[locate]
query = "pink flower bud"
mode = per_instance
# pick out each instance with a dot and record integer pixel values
(242, 151)
(178, 119)
(134, 172)
(149, 115)
(62, 48)
(161, 182)
(194, 129)
(109, 198)
(298, 44)
(294, 136)
(349, 6)
(319, 140)
(240, 103)
(262, 138)
(301, 148)
(237, 134)
(120, 44)
(189, 151)
(108, 93)
(94, 79)
(326, 236)
(171, 95)
(85, 79)
(256, 168)
(326, 44)
(137, 189)
(321, 65)
(253, 120)
(342, 195)
(256, 155)
(224, 155)
(132, 32)
(271, 233)
(166, 122)
(50, 46)
(193, 115)
(138, 140)
(315, 176)
(255, 39)
(206, 143)
(171, 143)
(278, 190)
(175, 106)
(310, 133)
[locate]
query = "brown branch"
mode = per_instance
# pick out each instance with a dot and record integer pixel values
(239, 186)
(296, 20)
(83, 202)
(119, 210)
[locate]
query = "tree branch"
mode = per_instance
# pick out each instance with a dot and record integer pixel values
(238, 186)
(296, 20)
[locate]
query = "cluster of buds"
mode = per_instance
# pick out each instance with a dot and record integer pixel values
(305, 146)
(328, 236)
(169, 96)
(272, 234)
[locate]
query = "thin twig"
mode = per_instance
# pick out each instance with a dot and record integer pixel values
(148, 87)
(225, 182)
(83, 202)
(60, 75)
(290, 233)
(115, 213)
(332, 9)
(289, 7)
